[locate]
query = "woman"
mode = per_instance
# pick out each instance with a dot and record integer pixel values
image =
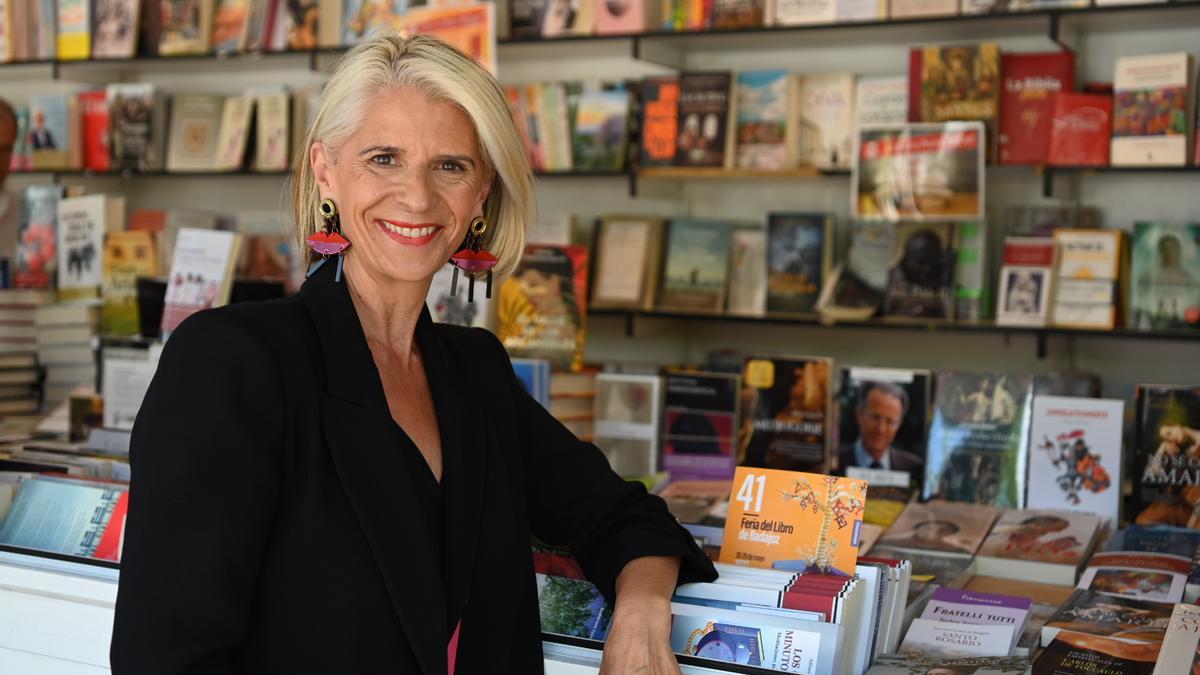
(331, 483)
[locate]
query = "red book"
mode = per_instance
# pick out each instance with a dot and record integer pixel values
(1081, 130)
(916, 61)
(1031, 82)
(1029, 251)
(113, 539)
(96, 154)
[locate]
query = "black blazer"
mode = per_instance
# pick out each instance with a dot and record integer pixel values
(269, 527)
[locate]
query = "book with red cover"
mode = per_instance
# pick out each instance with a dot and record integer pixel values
(96, 154)
(1080, 132)
(1031, 82)
(916, 63)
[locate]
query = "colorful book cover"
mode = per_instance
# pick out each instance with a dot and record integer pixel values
(1087, 288)
(919, 171)
(1152, 102)
(699, 421)
(920, 282)
(601, 130)
(37, 241)
(542, 309)
(763, 98)
(116, 29)
(883, 418)
(59, 517)
(735, 14)
(1152, 577)
(1031, 83)
(881, 101)
(1103, 615)
(49, 136)
(960, 82)
(82, 222)
(1027, 281)
(660, 121)
(697, 265)
(794, 521)
(799, 257)
(195, 124)
(470, 28)
(979, 438)
(74, 30)
(301, 24)
(134, 126)
(704, 102)
(1166, 456)
(186, 27)
(568, 17)
(128, 255)
(201, 272)
(626, 414)
(1075, 455)
(534, 376)
(1058, 537)
(754, 640)
(941, 526)
(1180, 651)
(1082, 654)
(980, 609)
(360, 17)
(97, 154)
(229, 26)
(785, 418)
(454, 308)
(825, 128)
(572, 607)
(1166, 277)
(1080, 132)
(972, 285)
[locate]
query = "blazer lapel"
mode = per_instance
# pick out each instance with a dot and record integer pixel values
(362, 440)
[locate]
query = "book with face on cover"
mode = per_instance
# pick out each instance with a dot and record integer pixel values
(920, 282)
(940, 526)
(128, 254)
(1166, 456)
(1049, 546)
(1165, 277)
(786, 416)
(541, 310)
(705, 100)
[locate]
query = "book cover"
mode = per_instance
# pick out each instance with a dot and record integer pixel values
(703, 119)
(1080, 130)
(785, 418)
(697, 265)
(524, 18)
(50, 135)
(1058, 537)
(128, 255)
(94, 110)
(271, 148)
(195, 123)
(972, 282)
(1166, 456)
(660, 121)
(799, 257)
(116, 29)
(201, 272)
(825, 128)
(1103, 615)
(234, 132)
(802, 12)
(36, 264)
(59, 517)
(899, 664)
(914, 9)
(541, 309)
(960, 82)
(1152, 104)
(568, 17)
(1166, 277)
(749, 642)
(628, 252)
(136, 121)
(699, 420)
(927, 637)
(622, 17)
(74, 19)
(534, 377)
(747, 271)
(1087, 287)
(1180, 651)
(763, 100)
(794, 521)
(186, 27)
(301, 24)
(627, 409)
(601, 130)
(1142, 576)
(229, 26)
(919, 171)
(572, 607)
(1031, 83)
(1027, 281)
(1075, 455)
(880, 101)
(883, 417)
(980, 609)
(940, 526)
(979, 438)
(361, 17)
(470, 28)
(920, 282)
(82, 222)
(1081, 654)
(734, 14)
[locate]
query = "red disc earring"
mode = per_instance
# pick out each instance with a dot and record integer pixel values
(329, 241)
(473, 259)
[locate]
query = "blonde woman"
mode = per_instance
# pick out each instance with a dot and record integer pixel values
(332, 483)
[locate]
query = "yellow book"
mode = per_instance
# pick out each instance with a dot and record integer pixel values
(74, 30)
(127, 256)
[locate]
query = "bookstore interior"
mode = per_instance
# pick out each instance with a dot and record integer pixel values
(895, 303)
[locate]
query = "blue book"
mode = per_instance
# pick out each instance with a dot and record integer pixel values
(534, 375)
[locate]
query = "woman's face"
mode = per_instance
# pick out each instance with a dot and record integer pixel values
(406, 184)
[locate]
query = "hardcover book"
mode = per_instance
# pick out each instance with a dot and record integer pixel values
(1180, 651)
(1087, 289)
(195, 124)
(627, 409)
(1152, 110)
(747, 271)
(1166, 277)
(884, 419)
(697, 265)
(1080, 654)
(1102, 615)
(942, 527)
(704, 106)
(920, 282)
(116, 29)
(785, 417)
(880, 101)
(919, 171)
(600, 130)
(1075, 455)
(1080, 131)
(799, 258)
(542, 310)
(979, 438)
(97, 153)
(201, 274)
(186, 27)
(1031, 83)
(825, 129)
(764, 98)
(82, 222)
(660, 121)
(36, 264)
(1027, 281)
(699, 422)
(128, 255)
(960, 83)
(628, 254)
(1166, 456)
(1049, 546)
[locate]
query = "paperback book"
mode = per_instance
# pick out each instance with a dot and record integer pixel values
(1112, 616)
(941, 527)
(747, 271)
(881, 101)
(920, 283)
(1073, 653)
(699, 423)
(63, 517)
(697, 265)
(1165, 277)
(1049, 546)
(883, 418)
(1142, 576)
(628, 254)
(919, 171)
(115, 29)
(1180, 651)
(541, 309)
(1152, 110)
(128, 255)
(201, 274)
(1088, 286)
(82, 222)
(1027, 281)
(37, 242)
(600, 131)
(785, 417)
(764, 98)
(826, 125)
(626, 414)
(980, 609)
(704, 107)
(960, 83)
(572, 607)
(799, 258)
(1166, 456)
(1075, 455)
(660, 121)
(954, 639)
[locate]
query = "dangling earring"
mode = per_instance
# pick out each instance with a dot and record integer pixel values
(330, 240)
(473, 259)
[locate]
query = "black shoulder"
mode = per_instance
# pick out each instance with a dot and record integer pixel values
(245, 329)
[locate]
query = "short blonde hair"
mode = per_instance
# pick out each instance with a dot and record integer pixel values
(441, 72)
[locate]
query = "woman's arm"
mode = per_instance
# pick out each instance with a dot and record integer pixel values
(640, 638)
(205, 453)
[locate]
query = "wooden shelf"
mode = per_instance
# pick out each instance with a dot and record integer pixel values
(720, 173)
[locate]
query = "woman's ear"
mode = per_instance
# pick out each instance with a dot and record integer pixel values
(321, 162)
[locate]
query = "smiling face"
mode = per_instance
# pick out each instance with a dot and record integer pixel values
(407, 183)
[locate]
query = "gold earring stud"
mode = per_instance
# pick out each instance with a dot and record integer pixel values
(478, 226)
(327, 208)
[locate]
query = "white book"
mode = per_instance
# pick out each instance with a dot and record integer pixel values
(981, 609)
(849, 11)
(927, 637)
(1027, 281)
(801, 12)
(1137, 139)
(627, 411)
(201, 274)
(1179, 647)
(881, 100)
(1075, 455)
(747, 271)
(82, 222)
(767, 641)
(234, 133)
(826, 125)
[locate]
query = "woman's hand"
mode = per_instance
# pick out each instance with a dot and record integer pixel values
(639, 641)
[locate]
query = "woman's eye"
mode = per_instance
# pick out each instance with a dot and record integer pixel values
(450, 165)
(383, 160)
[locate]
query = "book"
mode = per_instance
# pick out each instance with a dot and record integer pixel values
(137, 126)
(980, 609)
(1181, 644)
(541, 309)
(1088, 284)
(920, 283)
(1046, 545)
(620, 18)
(469, 27)
(1142, 576)
(659, 121)
(960, 83)
(627, 410)
(229, 26)
(271, 148)
(825, 129)
(801, 12)
(1031, 83)
(115, 29)
(53, 136)
(1152, 110)
(773, 641)
(128, 255)
(301, 24)
(65, 517)
(97, 152)
(201, 274)
(1027, 281)
(82, 222)
(786, 415)
(883, 414)
(74, 21)
(1075, 653)
(764, 132)
(747, 272)
(699, 424)
(919, 171)
(572, 607)
(703, 118)
(233, 134)
(972, 277)
(524, 19)
(725, 14)
(361, 17)
(1165, 277)
(912, 9)
(36, 264)
(195, 124)
(1080, 130)
(568, 18)
(940, 527)
(1102, 615)
(898, 664)
(696, 265)
(879, 101)
(1075, 455)
(600, 132)
(794, 521)
(978, 440)
(927, 637)
(1031, 637)
(534, 377)
(1167, 437)
(799, 260)
(186, 27)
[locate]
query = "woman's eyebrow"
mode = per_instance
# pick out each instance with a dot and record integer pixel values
(466, 159)
(385, 149)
